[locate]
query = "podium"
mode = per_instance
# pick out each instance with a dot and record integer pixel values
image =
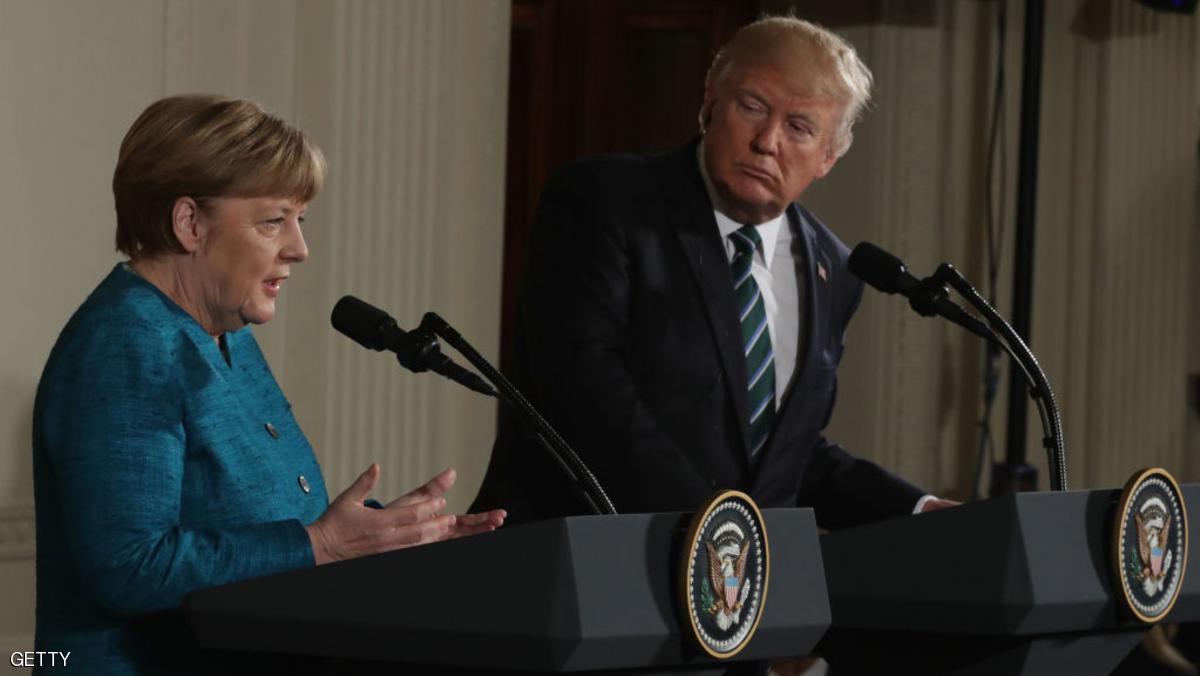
(1012, 585)
(577, 594)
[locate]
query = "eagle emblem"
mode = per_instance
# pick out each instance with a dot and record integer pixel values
(727, 574)
(1153, 530)
(725, 567)
(1149, 550)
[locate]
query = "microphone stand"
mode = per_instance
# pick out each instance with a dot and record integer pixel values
(1034, 376)
(432, 326)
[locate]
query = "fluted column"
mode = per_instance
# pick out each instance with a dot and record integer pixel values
(408, 101)
(1117, 217)
(908, 388)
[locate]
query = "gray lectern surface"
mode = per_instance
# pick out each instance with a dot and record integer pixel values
(1013, 585)
(576, 594)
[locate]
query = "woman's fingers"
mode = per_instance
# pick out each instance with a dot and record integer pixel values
(433, 488)
(397, 514)
(424, 532)
(463, 530)
(494, 518)
(362, 486)
(482, 522)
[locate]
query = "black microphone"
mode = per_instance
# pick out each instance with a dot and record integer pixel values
(416, 351)
(927, 296)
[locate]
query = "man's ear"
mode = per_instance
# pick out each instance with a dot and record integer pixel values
(705, 116)
(185, 223)
(830, 159)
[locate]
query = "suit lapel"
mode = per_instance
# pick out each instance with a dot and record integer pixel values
(690, 215)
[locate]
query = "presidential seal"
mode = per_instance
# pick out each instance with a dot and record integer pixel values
(725, 570)
(1150, 544)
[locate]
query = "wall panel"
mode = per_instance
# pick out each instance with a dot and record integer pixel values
(411, 221)
(1116, 210)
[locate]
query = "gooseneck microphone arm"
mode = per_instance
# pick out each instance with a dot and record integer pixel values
(1035, 377)
(585, 482)
(929, 297)
(418, 351)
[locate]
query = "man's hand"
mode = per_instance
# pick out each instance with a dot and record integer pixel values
(796, 666)
(938, 503)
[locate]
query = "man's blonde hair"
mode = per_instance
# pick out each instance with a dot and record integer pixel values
(834, 68)
(203, 146)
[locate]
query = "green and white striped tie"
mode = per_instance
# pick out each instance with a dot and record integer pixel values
(756, 339)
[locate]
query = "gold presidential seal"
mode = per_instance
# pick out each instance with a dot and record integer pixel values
(1150, 544)
(725, 572)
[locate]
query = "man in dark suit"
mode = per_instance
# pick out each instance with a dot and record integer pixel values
(682, 316)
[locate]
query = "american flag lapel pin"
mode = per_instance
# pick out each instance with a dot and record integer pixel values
(821, 273)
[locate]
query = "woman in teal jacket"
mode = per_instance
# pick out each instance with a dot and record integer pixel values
(166, 458)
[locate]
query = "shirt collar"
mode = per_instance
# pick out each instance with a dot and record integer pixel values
(768, 232)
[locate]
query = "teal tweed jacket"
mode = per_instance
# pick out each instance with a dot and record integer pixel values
(161, 466)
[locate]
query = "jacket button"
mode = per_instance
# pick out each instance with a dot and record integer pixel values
(303, 483)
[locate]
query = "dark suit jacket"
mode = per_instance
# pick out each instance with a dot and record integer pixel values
(628, 342)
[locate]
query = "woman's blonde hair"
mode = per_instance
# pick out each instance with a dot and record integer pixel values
(203, 146)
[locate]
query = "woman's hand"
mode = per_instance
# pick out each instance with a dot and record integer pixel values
(464, 524)
(349, 529)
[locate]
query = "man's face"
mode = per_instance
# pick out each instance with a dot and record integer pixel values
(768, 136)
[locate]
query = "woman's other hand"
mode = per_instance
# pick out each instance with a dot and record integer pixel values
(349, 529)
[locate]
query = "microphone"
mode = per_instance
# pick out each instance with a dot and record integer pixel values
(927, 296)
(416, 351)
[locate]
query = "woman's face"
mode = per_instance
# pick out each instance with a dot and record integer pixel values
(246, 250)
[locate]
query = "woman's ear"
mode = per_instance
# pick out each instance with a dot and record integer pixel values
(185, 222)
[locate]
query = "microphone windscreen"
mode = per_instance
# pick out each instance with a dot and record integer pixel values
(876, 267)
(361, 321)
